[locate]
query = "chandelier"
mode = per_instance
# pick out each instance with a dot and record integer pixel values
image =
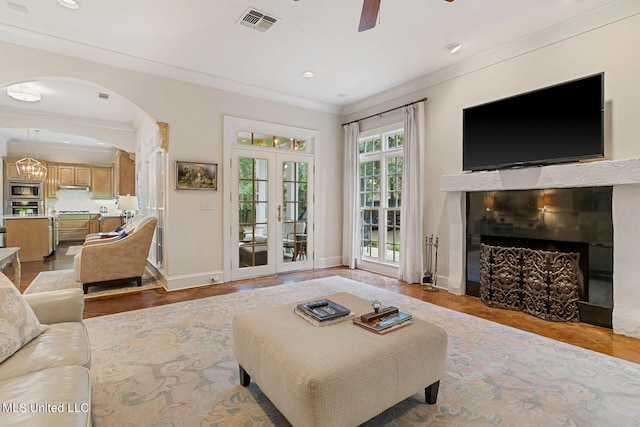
(29, 167)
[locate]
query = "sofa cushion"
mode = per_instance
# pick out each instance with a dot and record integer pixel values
(61, 344)
(18, 323)
(52, 397)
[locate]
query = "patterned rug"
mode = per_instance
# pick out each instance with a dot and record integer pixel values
(65, 279)
(173, 365)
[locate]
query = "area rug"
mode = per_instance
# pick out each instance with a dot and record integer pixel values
(73, 250)
(65, 279)
(173, 365)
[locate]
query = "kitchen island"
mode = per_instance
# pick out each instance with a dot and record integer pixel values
(33, 234)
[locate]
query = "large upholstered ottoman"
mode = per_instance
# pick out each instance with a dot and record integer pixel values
(340, 374)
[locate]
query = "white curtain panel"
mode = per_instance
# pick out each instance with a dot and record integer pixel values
(351, 197)
(411, 244)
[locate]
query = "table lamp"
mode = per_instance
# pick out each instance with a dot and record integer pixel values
(128, 204)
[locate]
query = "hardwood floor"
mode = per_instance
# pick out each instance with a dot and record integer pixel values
(587, 336)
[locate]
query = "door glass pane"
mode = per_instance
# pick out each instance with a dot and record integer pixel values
(253, 211)
(294, 211)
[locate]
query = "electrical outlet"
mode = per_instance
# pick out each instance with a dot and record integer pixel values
(215, 278)
(206, 206)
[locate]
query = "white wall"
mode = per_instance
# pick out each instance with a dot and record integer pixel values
(194, 113)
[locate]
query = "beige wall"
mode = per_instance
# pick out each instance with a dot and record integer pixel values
(195, 116)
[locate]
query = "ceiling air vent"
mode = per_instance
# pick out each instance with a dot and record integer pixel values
(256, 20)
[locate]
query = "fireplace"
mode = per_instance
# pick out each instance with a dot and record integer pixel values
(622, 175)
(570, 220)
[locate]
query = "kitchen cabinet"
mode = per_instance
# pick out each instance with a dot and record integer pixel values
(11, 173)
(124, 174)
(74, 175)
(110, 223)
(101, 182)
(51, 183)
(73, 226)
(32, 235)
(94, 224)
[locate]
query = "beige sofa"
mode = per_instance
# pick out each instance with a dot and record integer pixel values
(115, 260)
(45, 356)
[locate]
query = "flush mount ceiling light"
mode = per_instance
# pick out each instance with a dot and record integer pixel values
(23, 92)
(69, 4)
(308, 74)
(453, 47)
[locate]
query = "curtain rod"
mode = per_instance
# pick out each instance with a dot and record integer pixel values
(384, 112)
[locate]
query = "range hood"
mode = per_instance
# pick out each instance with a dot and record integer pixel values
(74, 187)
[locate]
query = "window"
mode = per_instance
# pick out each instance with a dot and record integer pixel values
(380, 195)
(266, 140)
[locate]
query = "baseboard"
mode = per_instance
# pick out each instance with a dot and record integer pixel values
(188, 281)
(335, 261)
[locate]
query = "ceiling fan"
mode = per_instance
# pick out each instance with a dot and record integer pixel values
(369, 14)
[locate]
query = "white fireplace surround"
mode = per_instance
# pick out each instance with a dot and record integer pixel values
(622, 175)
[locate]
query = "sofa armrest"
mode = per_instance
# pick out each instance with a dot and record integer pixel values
(64, 305)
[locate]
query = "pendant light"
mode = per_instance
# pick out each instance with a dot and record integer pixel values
(29, 167)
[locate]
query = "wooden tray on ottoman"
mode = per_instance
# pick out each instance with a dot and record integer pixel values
(339, 375)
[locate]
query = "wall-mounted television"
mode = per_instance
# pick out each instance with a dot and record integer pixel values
(555, 124)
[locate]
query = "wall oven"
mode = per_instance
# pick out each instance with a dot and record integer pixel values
(25, 190)
(25, 198)
(25, 207)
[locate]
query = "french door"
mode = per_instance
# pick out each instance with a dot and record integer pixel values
(271, 212)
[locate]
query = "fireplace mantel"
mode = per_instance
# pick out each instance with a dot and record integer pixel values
(622, 175)
(571, 175)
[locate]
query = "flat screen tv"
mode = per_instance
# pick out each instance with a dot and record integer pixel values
(556, 124)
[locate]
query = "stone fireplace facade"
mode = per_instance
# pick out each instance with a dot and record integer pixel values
(623, 178)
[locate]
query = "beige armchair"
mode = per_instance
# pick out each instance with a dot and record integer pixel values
(115, 260)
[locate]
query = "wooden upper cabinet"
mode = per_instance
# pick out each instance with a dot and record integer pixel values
(124, 174)
(83, 176)
(101, 183)
(11, 173)
(74, 175)
(51, 182)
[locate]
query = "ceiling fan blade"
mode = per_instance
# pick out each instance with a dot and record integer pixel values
(369, 14)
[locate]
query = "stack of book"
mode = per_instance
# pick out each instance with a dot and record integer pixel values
(323, 312)
(384, 321)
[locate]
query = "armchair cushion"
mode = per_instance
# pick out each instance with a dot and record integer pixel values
(18, 323)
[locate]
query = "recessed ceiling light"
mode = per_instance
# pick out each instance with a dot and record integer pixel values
(100, 143)
(453, 47)
(23, 92)
(69, 4)
(66, 142)
(308, 74)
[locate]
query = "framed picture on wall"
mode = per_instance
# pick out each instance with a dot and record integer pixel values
(196, 176)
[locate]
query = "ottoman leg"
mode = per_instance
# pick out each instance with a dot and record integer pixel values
(245, 379)
(430, 393)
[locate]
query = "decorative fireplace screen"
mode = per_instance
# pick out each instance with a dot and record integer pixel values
(542, 283)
